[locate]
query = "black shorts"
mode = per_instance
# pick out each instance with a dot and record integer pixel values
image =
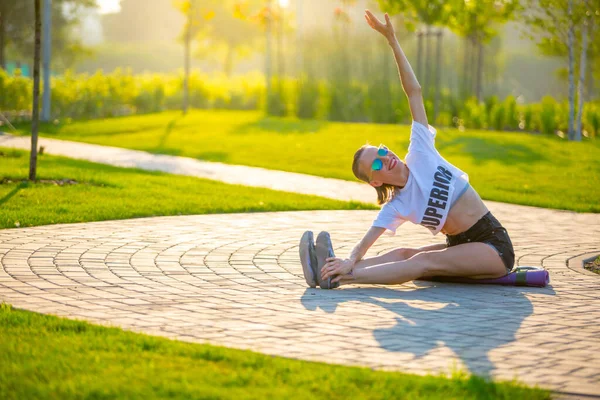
(489, 231)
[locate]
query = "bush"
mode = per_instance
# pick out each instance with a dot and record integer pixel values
(474, 114)
(591, 119)
(379, 103)
(348, 102)
(528, 118)
(498, 117)
(82, 96)
(308, 98)
(276, 104)
(511, 116)
(548, 123)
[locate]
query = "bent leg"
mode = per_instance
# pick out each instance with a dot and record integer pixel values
(473, 260)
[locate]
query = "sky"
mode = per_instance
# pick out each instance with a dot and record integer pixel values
(107, 6)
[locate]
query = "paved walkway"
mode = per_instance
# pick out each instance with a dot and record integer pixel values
(235, 280)
(234, 174)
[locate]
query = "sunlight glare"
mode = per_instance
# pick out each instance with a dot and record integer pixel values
(109, 6)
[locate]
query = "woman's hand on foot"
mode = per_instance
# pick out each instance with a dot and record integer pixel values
(336, 266)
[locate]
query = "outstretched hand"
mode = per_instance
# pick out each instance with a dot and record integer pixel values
(335, 268)
(387, 29)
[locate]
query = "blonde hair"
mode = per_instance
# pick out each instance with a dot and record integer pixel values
(385, 192)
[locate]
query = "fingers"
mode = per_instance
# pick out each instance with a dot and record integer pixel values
(326, 272)
(373, 18)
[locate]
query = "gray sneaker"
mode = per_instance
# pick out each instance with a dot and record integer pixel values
(308, 258)
(324, 249)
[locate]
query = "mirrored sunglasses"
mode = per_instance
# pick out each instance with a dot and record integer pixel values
(382, 151)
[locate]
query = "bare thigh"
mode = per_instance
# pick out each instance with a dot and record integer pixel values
(474, 260)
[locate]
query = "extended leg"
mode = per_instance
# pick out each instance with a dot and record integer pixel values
(474, 260)
(399, 254)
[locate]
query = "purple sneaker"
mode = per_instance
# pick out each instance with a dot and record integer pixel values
(308, 258)
(324, 249)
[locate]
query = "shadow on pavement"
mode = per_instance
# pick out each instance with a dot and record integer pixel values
(471, 320)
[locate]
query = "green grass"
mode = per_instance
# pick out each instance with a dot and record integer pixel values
(104, 193)
(42, 356)
(510, 167)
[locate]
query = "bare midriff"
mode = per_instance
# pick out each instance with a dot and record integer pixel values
(467, 210)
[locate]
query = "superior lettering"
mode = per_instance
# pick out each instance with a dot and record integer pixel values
(438, 198)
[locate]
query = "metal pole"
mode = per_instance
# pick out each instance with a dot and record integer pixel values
(46, 52)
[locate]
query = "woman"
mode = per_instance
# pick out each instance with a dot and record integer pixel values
(424, 189)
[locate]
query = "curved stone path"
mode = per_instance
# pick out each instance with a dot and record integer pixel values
(236, 280)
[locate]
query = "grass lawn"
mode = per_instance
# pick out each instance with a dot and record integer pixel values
(510, 167)
(102, 193)
(46, 357)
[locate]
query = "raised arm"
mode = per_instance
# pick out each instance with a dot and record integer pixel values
(407, 76)
(338, 266)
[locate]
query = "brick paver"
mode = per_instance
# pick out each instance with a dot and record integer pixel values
(236, 280)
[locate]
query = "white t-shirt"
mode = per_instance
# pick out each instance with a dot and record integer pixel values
(432, 188)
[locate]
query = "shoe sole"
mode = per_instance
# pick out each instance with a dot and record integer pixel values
(324, 250)
(307, 259)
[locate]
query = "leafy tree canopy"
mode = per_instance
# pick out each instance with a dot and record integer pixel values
(17, 26)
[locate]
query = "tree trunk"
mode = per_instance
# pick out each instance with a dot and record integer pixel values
(268, 55)
(473, 74)
(580, 100)
(419, 55)
(36, 92)
(438, 75)
(570, 40)
(186, 55)
(2, 60)
(427, 80)
(478, 87)
(280, 59)
(465, 83)
(299, 45)
(228, 64)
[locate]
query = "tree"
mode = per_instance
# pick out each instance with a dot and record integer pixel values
(15, 25)
(143, 21)
(233, 32)
(197, 14)
(476, 21)
(556, 26)
(16, 30)
(36, 90)
(430, 13)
